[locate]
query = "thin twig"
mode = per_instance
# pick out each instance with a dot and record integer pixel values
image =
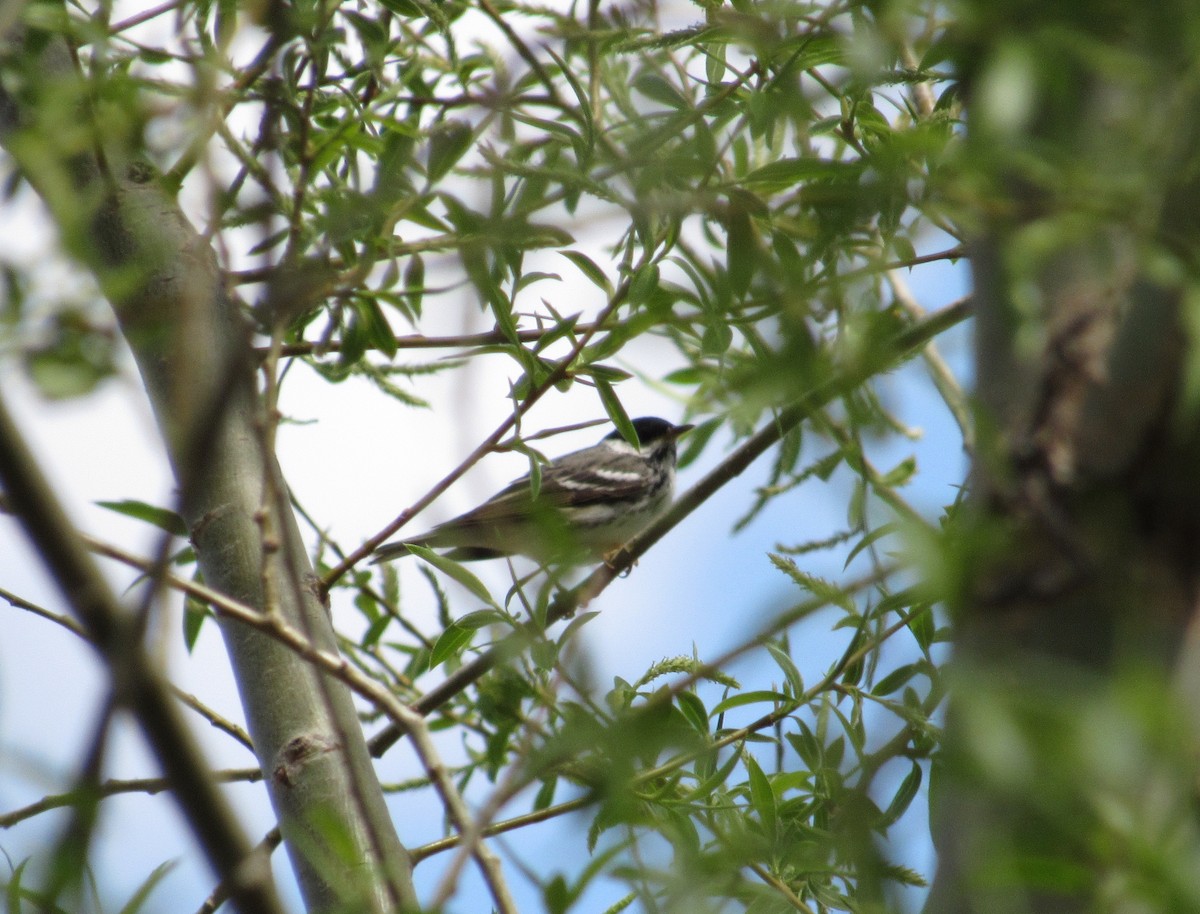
(901, 347)
(144, 16)
(57, 618)
(417, 341)
(498, 828)
(220, 894)
(217, 720)
(137, 682)
(456, 809)
(780, 886)
(943, 378)
(149, 786)
(553, 377)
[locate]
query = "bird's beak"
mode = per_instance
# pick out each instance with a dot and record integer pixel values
(680, 430)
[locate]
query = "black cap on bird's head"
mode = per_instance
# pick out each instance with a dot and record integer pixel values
(651, 429)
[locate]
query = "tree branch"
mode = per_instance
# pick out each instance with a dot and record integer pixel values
(192, 349)
(897, 350)
(115, 786)
(137, 684)
(209, 714)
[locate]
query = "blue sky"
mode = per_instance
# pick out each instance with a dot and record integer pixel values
(700, 590)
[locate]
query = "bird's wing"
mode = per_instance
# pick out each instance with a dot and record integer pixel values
(578, 479)
(570, 481)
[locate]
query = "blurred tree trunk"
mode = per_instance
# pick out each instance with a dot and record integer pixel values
(1084, 541)
(192, 347)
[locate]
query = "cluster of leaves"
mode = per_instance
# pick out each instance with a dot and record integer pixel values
(764, 168)
(701, 790)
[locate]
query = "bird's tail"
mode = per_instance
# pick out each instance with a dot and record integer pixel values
(398, 550)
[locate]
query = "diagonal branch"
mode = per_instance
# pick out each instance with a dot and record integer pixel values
(137, 684)
(190, 342)
(901, 347)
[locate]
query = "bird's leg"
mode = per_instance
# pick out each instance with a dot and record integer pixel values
(612, 561)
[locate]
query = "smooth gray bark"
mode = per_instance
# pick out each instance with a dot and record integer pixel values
(192, 348)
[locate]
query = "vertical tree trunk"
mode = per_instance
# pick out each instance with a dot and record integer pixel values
(1084, 544)
(193, 351)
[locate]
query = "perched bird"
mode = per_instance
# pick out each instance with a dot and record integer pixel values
(589, 503)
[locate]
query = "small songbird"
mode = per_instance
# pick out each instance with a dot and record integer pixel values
(589, 503)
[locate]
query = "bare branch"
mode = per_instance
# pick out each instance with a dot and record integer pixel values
(456, 809)
(900, 348)
(560, 371)
(214, 718)
(115, 786)
(138, 684)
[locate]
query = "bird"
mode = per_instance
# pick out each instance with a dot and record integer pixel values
(589, 503)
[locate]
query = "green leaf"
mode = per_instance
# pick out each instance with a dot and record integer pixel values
(717, 338)
(375, 631)
(696, 439)
(622, 904)
(588, 268)
(616, 411)
(762, 797)
(897, 678)
(904, 249)
(14, 888)
(194, 615)
(564, 327)
(448, 141)
(693, 710)
(807, 746)
(535, 476)
(740, 251)
(583, 109)
(656, 88)
(554, 128)
(456, 571)
(606, 373)
(405, 8)
(794, 680)
(545, 794)
(162, 518)
(903, 798)
(414, 282)
(374, 326)
(876, 534)
(785, 173)
(354, 339)
(138, 899)
(574, 626)
(921, 624)
(457, 635)
(502, 310)
(749, 698)
(66, 371)
(901, 473)
(556, 895)
(644, 283)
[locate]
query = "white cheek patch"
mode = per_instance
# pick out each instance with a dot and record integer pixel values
(621, 446)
